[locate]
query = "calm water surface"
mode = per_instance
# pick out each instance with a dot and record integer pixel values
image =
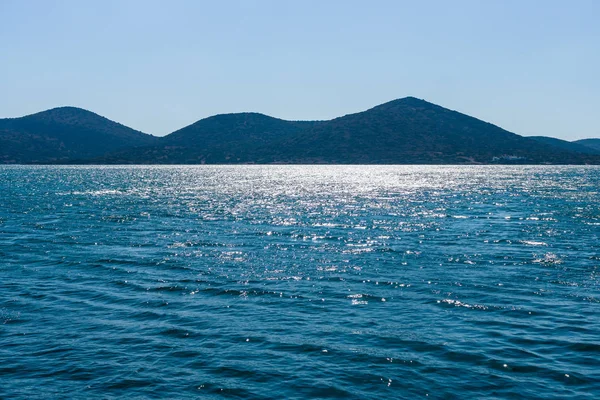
(299, 282)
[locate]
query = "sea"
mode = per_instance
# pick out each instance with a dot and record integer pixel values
(299, 282)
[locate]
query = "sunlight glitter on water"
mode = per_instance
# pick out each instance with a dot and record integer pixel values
(237, 278)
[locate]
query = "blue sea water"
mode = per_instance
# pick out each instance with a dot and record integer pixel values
(370, 282)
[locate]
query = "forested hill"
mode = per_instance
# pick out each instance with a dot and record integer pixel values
(64, 134)
(404, 131)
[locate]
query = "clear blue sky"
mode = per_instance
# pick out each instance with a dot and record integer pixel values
(532, 67)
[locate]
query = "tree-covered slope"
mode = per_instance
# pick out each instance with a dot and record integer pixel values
(566, 145)
(410, 130)
(63, 134)
(591, 143)
(404, 131)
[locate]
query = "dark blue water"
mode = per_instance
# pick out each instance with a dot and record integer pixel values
(299, 282)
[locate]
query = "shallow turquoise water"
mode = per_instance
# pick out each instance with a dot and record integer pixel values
(299, 282)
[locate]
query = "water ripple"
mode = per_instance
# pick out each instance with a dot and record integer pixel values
(299, 282)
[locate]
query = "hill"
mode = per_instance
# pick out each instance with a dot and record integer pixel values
(226, 138)
(566, 145)
(410, 130)
(404, 131)
(592, 143)
(64, 134)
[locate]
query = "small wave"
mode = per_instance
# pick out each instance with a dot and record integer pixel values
(533, 243)
(457, 303)
(103, 192)
(357, 299)
(548, 259)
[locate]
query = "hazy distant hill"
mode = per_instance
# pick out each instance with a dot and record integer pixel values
(593, 143)
(568, 146)
(63, 134)
(404, 131)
